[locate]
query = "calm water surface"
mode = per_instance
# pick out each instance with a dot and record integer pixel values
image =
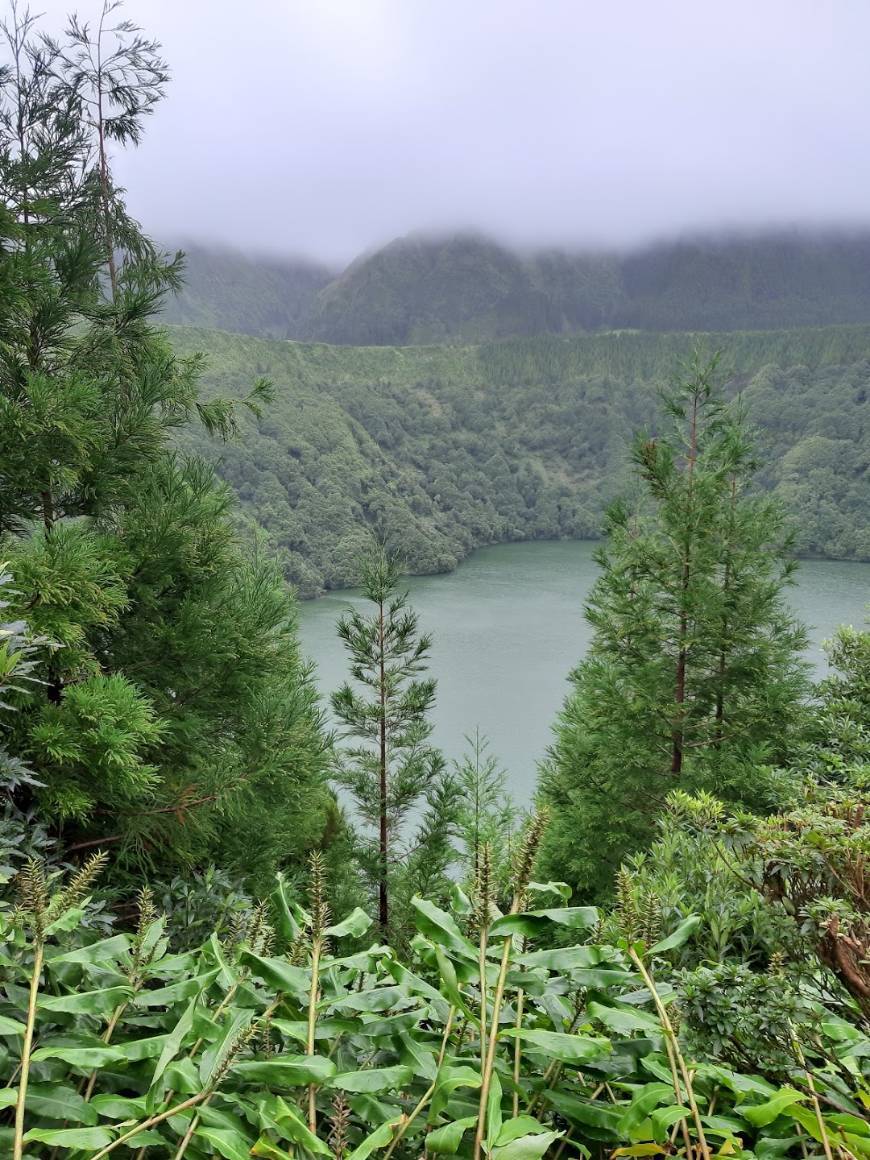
(508, 627)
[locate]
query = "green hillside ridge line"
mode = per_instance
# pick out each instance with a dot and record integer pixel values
(441, 449)
(468, 288)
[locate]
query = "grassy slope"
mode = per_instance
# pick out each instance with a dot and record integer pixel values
(444, 448)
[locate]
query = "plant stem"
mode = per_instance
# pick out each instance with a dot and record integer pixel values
(492, 1044)
(826, 1144)
(151, 1122)
(674, 1054)
(18, 1140)
(312, 1019)
(481, 966)
(518, 1051)
(430, 1091)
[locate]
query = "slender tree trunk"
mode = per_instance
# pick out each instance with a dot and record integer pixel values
(104, 167)
(678, 735)
(383, 894)
(723, 647)
(54, 684)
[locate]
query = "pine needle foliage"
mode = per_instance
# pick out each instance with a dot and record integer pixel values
(694, 677)
(385, 708)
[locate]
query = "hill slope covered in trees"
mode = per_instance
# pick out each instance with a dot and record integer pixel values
(466, 288)
(443, 449)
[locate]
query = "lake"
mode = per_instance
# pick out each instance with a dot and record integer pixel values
(508, 628)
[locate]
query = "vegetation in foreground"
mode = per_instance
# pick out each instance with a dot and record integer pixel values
(159, 724)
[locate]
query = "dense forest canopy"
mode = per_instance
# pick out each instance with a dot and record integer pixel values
(443, 449)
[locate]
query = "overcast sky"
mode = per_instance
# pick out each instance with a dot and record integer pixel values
(324, 127)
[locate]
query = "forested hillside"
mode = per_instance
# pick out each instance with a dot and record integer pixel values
(466, 288)
(442, 449)
(230, 291)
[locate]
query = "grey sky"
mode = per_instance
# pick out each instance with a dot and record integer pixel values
(327, 126)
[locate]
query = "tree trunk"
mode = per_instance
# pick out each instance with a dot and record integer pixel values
(104, 170)
(723, 651)
(383, 894)
(678, 735)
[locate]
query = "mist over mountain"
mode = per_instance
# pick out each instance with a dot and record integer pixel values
(465, 287)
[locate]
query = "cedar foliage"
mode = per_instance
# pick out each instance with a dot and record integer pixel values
(694, 676)
(174, 711)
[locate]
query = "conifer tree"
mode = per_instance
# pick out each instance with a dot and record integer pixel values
(386, 709)
(487, 814)
(694, 676)
(173, 710)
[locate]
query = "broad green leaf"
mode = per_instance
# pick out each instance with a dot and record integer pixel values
(355, 925)
(118, 1108)
(89, 1057)
(664, 1118)
(98, 1003)
(266, 1149)
(583, 957)
(519, 1126)
(676, 938)
(451, 1078)
(148, 945)
(329, 1027)
(181, 1076)
(216, 1054)
(285, 1070)
(10, 1026)
(59, 1102)
(557, 1045)
(277, 973)
(373, 1079)
(526, 1147)
(535, 922)
(149, 1047)
(291, 1125)
(643, 1100)
(446, 1140)
(66, 921)
(418, 1058)
(558, 889)
(71, 1137)
(760, 1115)
(178, 992)
(379, 1138)
(106, 950)
(411, 984)
(8, 1097)
(375, 999)
(639, 1150)
(174, 1040)
(285, 911)
(450, 983)
(589, 1113)
(391, 1025)
(231, 1145)
(439, 926)
(460, 903)
(622, 1018)
(493, 1110)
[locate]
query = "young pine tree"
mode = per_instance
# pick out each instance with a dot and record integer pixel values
(393, 769)
(694, 676)
(487, 814)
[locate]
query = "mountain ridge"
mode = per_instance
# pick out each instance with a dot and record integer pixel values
(465, 287)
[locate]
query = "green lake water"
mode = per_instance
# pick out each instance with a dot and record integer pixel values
(508, 627)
